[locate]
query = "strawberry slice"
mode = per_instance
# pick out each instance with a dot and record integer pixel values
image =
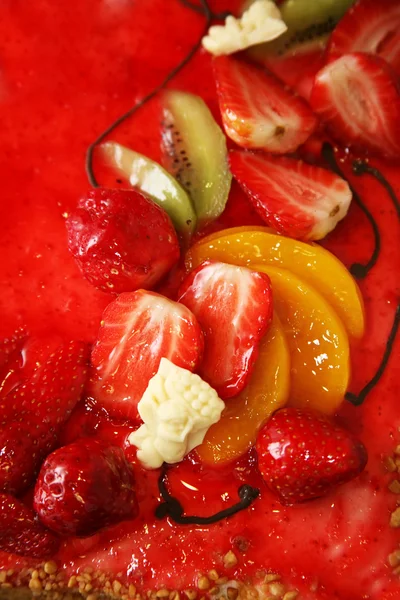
(258, 111)
(138, 329)
(21, 533)
(121, 240)
(234, 308)
(358, 98)
(296, 199)
(369, 26)
(304, 455)
(33, 412)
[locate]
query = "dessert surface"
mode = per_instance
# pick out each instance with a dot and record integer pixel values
(62, 82)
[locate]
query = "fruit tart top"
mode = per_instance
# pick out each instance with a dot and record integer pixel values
(198, 383)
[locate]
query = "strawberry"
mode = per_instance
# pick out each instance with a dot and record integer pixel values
(21, 533)
(33, 412)
(357, 96)
(121, 240)
(369, 26)
(303, 455)
(258, 111)
(83, 487)
(234, 308)
(138, 329)
(294, 198)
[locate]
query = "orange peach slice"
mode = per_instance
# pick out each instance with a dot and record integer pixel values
(312, 263)
(317, 339)
(245, 414)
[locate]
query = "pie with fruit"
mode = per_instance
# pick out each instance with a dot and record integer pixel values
(200, 300)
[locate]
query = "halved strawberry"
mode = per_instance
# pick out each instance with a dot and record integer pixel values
(258, 111)
(369, 26)
(121, 240)
(21, 532)
(296, 199)
(33, 412)
(138, 329)
(234, 308)
(357, 96)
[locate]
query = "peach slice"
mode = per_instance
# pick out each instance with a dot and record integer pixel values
(317, 339)
(310, 262)
(245, 414)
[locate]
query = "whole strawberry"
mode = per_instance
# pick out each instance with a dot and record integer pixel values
(121, 240)
(303, 455)
(21, 532)
(83, 487)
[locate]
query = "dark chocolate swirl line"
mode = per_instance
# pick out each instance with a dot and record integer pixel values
(360, 167)
(171, 507)
(206, 11)
(359, 398)
(200, 10)
(358, 270)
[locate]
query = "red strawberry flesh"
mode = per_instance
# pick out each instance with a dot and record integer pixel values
(296, 199)
(304, 455)
(138, 329)
(234, 308)
(121, 240)
(21, 533)
(83, 487)
(357, 97)
(369, 26)
(258, 110)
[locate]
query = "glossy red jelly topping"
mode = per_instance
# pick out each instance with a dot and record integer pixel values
(67, 70)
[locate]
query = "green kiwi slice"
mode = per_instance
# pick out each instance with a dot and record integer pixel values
(155, 182)
(309, 22)
(195, 152)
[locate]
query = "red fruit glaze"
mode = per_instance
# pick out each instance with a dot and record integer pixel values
(294, 198)
(83, 65)
(234, 308)
(258, 110)
(83, 487)
(372, 27)
(121, 240)
(357, 96)
(303, 455)
(137, 330)
(21, 532)
(34, 411)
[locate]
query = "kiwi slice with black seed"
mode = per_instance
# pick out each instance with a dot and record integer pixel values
(153, 181)
(195, 153)
(309, 24)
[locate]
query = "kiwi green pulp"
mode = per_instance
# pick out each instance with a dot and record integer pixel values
(309, 24)
(156, 183)
(195, 153)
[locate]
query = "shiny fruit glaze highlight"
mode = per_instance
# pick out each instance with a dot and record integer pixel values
(57, 92)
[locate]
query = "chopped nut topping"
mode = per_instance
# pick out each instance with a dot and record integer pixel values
(389, 464)
(291, 595)
(191, 594)
(394, 486)
(394, 558)
(276, 589)
(203, 583)
(163, 593)
(395, 518)
(230, 559)
(270, 577)
(213, 575)
(50, 567)
(232, 593)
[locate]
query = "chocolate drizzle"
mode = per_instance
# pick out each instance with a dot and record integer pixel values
(200, 10)
(359, 398)
(361, 167)
(171, 507)
(358, 270)
(205, 10)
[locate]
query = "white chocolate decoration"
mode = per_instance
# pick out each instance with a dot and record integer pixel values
(261, 22)
(177, 409)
